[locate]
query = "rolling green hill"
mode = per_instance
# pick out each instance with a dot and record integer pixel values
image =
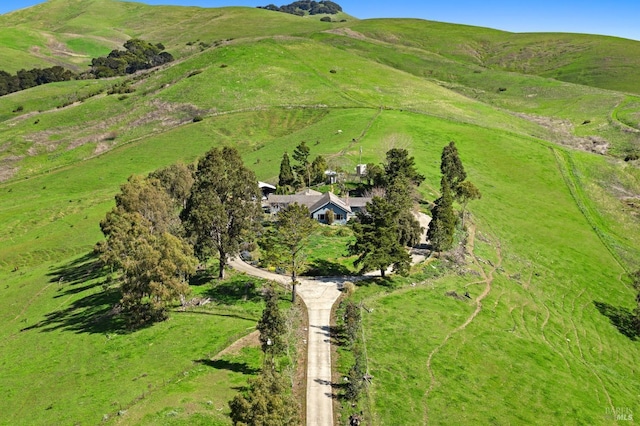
(543, 123)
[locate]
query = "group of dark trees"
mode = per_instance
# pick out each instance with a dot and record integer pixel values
(138, 55)
(162, 224)
(24, 79)
(388, 225)
(453, 186)
(304, 173)
(304, 7)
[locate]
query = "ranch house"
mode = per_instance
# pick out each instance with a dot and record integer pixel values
(319, 205)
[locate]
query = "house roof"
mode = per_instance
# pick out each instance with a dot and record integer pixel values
(265, 185)
(314, 200)
(328, 198)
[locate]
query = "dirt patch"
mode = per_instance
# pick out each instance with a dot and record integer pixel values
(8, 166)
(251, 339)
(347, 32)
(562, 133)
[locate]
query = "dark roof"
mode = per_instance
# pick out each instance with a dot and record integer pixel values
(327, 198)
(314, 200)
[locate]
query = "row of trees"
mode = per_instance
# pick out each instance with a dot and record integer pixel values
(304, 172)
(25, 79)
(269, 400)
(138, 55)
(164, 223)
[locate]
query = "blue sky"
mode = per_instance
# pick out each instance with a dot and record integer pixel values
(617, 18)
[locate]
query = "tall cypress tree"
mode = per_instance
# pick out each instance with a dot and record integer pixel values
(286, 176)
(443, 220)
(452, 168)
(272, 325)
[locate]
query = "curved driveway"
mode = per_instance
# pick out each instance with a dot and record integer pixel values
(319, 294)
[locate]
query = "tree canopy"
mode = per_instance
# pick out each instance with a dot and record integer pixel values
(138, 55)
(286, 177)
(377, 239)
(399, 163)
(285, 246)
(311, 7)
(153, 264)
(223, 206)
(272, 325)
(443, 220)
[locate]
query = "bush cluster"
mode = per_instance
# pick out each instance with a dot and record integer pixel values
(311, 7)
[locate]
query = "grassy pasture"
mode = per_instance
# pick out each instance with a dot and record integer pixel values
(554, 303)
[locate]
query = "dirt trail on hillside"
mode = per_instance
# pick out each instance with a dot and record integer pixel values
(487, 278)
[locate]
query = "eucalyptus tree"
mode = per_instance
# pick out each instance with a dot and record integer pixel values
(224, 206)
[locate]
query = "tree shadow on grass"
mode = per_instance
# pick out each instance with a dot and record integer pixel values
(93, 314)
(203, 277)
(326, 268)
(222, 364)
(621, 318)
(83, 270)
(238, 290)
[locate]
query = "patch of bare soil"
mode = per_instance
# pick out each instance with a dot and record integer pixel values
(348, 32)
(251, 339)
(8, 166)
(562, 130)
(632, 206)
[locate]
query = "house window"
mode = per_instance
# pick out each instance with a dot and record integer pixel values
(321, 217)
(338, 216)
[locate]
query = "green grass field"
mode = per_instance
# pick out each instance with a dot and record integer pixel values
(556, 231)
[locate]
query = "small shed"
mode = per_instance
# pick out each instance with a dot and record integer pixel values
(266, 189)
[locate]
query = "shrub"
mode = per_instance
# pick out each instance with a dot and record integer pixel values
(325, 19)
(19, 108)
(197, 118)
(348, 288)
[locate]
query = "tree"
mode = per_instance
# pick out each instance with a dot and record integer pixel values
(375, 175)
(467, 191)
(377, 244)
(286, 177)
(151, 201)
(286, 245)
(301, 155)
(400, 194)
(154, 267)
(452, 168)
(177, 180)
(330, 217)
(398, 163)
(443, 221)
(318, 167)
(272, 325)
(267, 402)
(223, 206)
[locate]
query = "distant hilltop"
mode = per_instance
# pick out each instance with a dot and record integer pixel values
(307, 7)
